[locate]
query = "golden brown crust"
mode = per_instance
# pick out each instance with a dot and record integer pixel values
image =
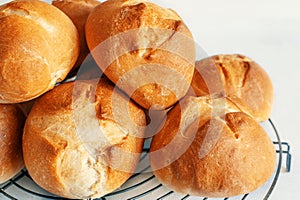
(240, 79)
(226, 155)
(72, 161)
(78, 11)
(11, 129)
(43, 49)
(152, 50)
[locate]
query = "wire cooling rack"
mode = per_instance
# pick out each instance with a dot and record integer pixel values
(143, 184)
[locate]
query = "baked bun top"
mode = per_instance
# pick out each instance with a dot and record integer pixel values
(39, 46)
(152, 51)
(81, 140)
(238, 78)
(219, 152)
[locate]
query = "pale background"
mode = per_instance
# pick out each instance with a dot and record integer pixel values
(268, 31)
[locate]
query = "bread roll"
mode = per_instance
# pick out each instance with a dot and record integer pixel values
(83, 140)
(238, 78)
(38, 47)
(145, 49)
(208, 148)
(11, 129)
(78, 11)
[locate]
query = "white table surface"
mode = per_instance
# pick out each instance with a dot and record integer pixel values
(268, 31)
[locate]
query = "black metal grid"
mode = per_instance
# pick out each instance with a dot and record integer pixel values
(142, 180)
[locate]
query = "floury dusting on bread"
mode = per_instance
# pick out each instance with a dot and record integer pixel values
(137, 77)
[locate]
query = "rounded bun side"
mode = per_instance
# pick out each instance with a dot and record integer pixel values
(11, 130)
(238, 78)
(77, 147)
(152, 50)
(78, 11)
(226, 155)
(39, 46)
